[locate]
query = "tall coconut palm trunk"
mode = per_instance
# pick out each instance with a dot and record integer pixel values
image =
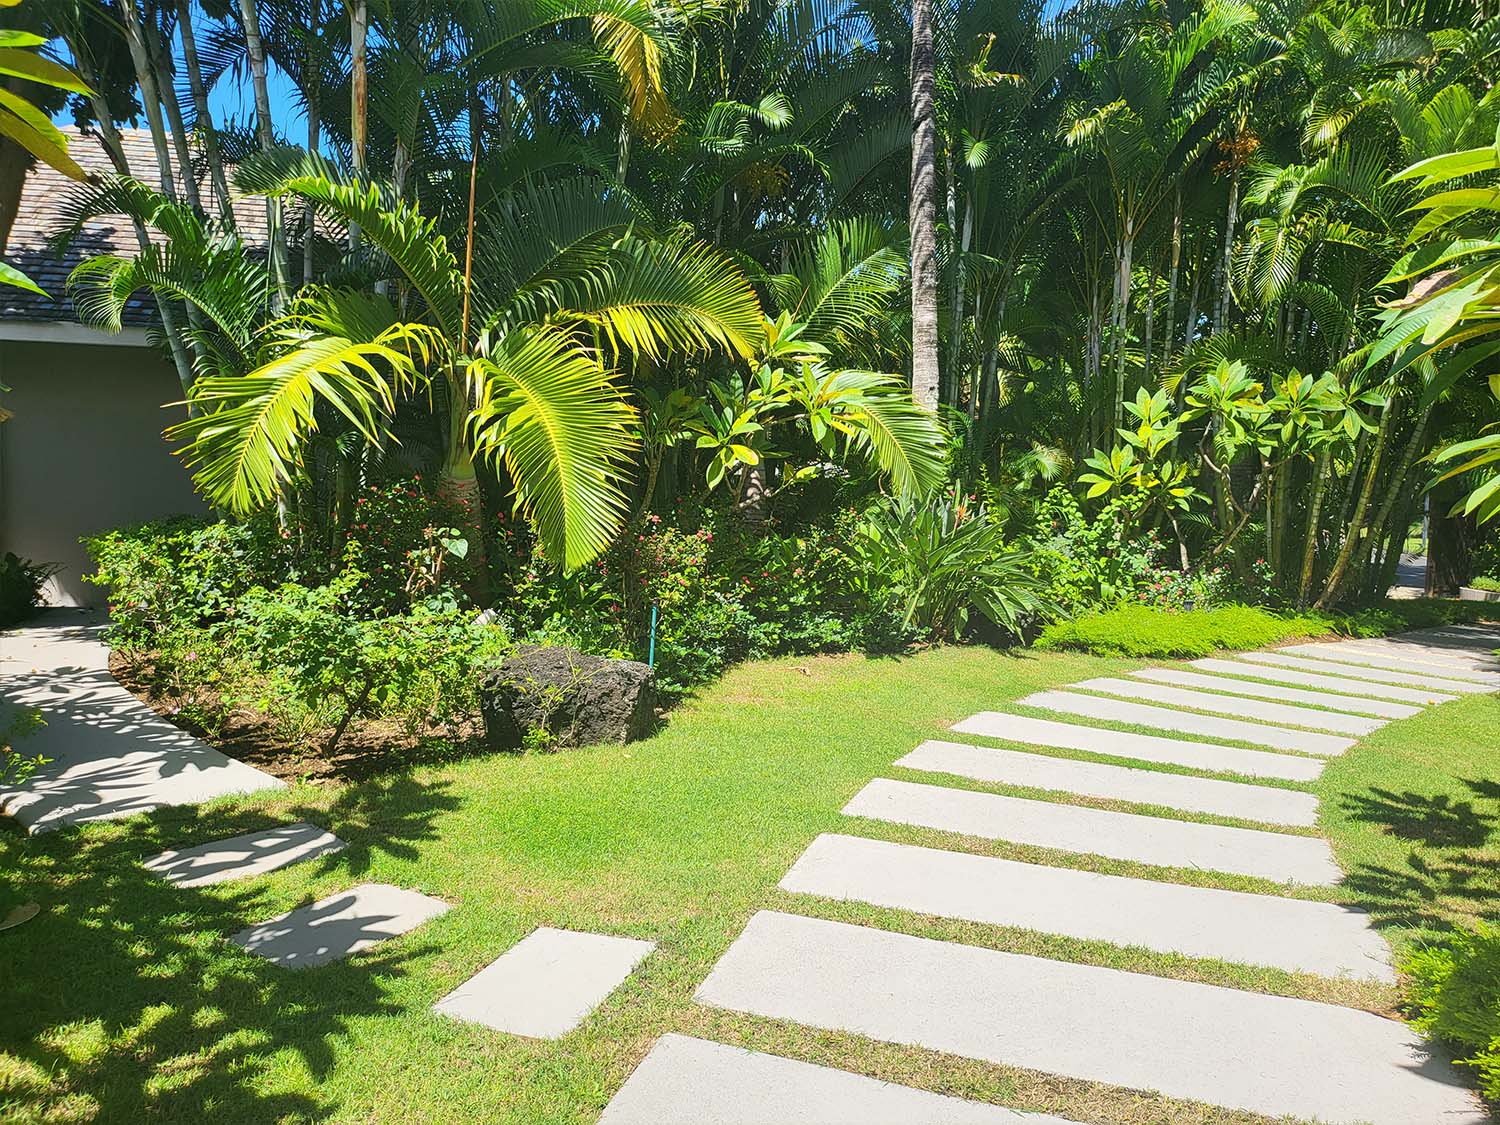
(256, 51)
(203, 114)
(359, 31)
(923, 211)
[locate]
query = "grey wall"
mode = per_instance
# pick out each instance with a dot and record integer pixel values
(84, 451)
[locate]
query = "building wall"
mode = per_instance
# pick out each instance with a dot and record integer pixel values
(84, 451)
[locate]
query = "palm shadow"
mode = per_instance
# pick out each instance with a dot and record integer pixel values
(181, 1024)
(1433, 819)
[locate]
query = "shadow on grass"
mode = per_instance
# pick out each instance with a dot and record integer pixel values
(1436, 820)
(123, 992)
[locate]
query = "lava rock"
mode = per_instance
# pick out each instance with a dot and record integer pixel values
(579, 699)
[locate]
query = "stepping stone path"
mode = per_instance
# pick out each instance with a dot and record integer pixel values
(692, 1080)
(1242, 1050)
(1118, 783)
(339, 925)
(240, 857)
(112, 756)
(1075, 828)
(1222, 704)
(546, 984)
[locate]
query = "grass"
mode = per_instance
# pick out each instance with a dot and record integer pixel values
(1143, 631)
(124, 1003)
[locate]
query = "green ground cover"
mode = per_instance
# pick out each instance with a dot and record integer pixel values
(127, 1005)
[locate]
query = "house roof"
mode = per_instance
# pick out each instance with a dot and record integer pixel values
(40, 215)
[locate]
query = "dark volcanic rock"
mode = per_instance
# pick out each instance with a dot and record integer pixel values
(580, 699)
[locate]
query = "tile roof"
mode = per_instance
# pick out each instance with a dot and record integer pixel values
(40, 215)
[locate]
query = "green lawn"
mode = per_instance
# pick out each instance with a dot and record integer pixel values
(123, 1003)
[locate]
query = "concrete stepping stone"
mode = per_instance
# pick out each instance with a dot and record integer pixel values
(1364, 672)
(1250, 929)
(1028, 730)
(1234, 705)
(685, 1080)
(1156, 840)
(339, 925)
(1426, 652)
(1457, 637)
(1361, 658)
(546, 984)
(1267, 1054)
(240, 857)
(1326, 700)
(1120, 783)
(1165, 718)
(1286, 673)
(111, 755)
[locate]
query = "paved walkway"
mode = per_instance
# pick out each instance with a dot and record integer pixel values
(112, 756)
(1242, 1050)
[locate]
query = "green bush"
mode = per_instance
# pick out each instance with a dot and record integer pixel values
(1486, 582)
(1134, 630)
(21, 582)
(1454, 990)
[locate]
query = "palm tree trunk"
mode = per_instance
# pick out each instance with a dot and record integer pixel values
(1127, 247)
(1398, 479)
(145, 76)
(313, 92)
(1355, 530)
(1310, 539)
(276, 235)
(1171, 311)
(1150, 333)
(359, 28)
(923, 211)
(161, 61)
(1221, 314)
(203, 115)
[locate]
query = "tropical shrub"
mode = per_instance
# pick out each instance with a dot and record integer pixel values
(945, 563)
(21, 582)
(1142, 631)
(1454, 989)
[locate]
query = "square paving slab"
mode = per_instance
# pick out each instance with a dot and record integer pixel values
(1156, 840)
(1144, 747)
(1286, 673)
(112, 756)
(1256, 710)
(1249, 929)
(547, 983)
(1165, 718)
(1326, 700)
(1364, 672)
(1120, 783)
(240, 857)
(339, 925)
(686, 1081)
(1244, 1050)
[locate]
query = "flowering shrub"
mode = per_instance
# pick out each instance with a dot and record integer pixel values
(406, 542)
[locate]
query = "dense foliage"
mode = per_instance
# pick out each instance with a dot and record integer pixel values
(1455, 991)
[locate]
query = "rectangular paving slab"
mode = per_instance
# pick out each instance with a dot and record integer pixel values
(1327, 700)
(1165, 718)
(1255, 710)
(1244, 1050)
(1249, 929)
(1364, 672)
(1285, 672)
(240, 857)
(687, 1081)
(1032, 731)
(1439, 656)
(547, 983)
(111, 755)
(1363, 658)
(1158, 840)
(339, 925)
(1120, 783)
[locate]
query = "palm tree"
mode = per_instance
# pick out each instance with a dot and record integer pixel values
(925, 376)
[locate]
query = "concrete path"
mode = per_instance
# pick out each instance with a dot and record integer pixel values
(1142, 747)
(1329, 701)
(1243, 1050)
(1118, 783)
(1250, 670)
(1285, 933)
(112, 756)
(1238, 1049)
(686, 1081)
(1165, 718)
(1255, 710)
(1157, 840)
(241, 857)
(339, 925)
(546, 984)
